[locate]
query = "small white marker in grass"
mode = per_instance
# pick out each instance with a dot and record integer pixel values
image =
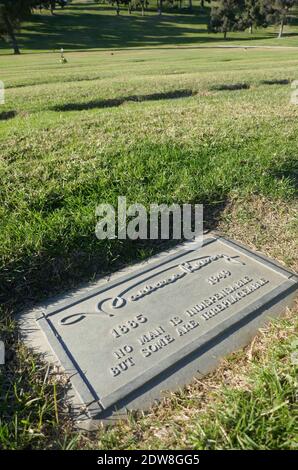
(2, 353)
(294, 354)
(294, 94)
(62, 58)
(2, 93)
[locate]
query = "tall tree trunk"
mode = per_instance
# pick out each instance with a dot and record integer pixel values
(281, 29)
(190, 5)
(250, 29)
(10, 32)
(52, 6)
(160, 5)
(225, 34)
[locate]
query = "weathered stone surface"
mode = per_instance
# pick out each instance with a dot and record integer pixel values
(156, 326)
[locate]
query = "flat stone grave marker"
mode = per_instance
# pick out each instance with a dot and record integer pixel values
(157, 325)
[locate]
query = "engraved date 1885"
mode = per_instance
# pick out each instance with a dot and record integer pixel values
(128, 326)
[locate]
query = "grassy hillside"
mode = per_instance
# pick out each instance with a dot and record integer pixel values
(156, 125)
(147, 124)
(88, 25)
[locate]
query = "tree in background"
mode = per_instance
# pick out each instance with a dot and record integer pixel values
(277, 11)
(159, 6)
(227, 15)
(203, 3)
(254, 14)
(47, 4)
(232, 15)
(51, 4)
(12, 13)
(135, 5)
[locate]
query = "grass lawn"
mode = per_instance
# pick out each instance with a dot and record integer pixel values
(89, 25)
(152, 124)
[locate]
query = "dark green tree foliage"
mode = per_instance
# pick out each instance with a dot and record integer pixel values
(12, 12)
(227, 15)
(277, 11)
(131, 5)
(254, 14)
(237, 15)
(48, 4)
(203, 3)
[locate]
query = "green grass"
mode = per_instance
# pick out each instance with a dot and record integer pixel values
(150, 124)
(78, 139)
(88, 25)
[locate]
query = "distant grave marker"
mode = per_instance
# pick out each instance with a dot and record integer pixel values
(2, 353)
(157, 325)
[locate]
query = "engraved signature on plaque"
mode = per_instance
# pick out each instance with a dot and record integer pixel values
(192, 266)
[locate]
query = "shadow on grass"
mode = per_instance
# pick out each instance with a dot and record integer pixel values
(5, 115)
(275, 82)
(93, 26)
(72, 254)
(230, 87)
(56, 269)
(114, 102)
(288, 170)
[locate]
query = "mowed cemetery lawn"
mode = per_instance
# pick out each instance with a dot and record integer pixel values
(154, 125)
(87, 25)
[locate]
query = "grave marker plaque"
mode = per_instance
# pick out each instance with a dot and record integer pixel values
(156, 326)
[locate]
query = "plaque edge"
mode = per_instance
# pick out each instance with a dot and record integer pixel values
(291, 278)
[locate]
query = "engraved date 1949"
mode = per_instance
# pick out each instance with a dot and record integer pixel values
(128, 326)
(219, 277)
